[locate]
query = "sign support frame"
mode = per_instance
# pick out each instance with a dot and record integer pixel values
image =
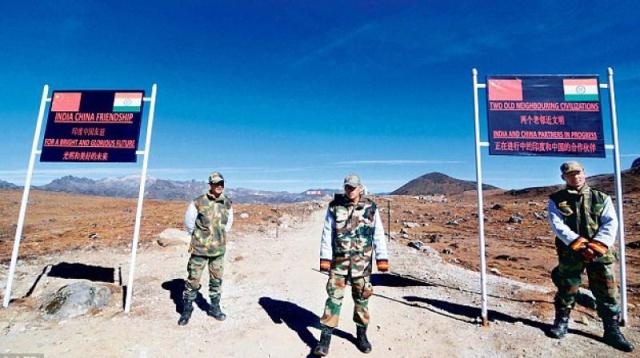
(618, 189)
(27, 187)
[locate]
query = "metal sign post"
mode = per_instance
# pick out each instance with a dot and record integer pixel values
(25, 196)
(618, 184)
(483, 259)
(143, 179)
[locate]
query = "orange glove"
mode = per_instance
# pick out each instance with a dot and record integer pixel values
(579, 244)
(598, 248)
(383, 265)
(325, 265)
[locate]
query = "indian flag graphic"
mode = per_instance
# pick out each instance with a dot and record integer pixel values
(127, 102)
(579, 90)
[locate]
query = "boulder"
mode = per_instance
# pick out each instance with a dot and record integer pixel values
(515, 219)
(74, 300)
(172, 237)
(410, 225)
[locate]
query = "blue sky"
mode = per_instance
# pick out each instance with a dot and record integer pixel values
(290, 95)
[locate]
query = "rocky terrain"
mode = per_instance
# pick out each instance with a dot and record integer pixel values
(57, 222)
(427, 306)
(273, 296)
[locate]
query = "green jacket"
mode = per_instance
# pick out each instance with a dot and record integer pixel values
(209, 236)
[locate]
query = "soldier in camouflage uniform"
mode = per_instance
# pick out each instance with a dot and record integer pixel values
(208, 219)
(352, 232)
(585, 225)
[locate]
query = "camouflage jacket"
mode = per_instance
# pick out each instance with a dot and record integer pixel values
(588, 213)
(352, 232)
(208, 219)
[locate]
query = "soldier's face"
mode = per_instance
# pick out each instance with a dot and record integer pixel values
(217, 188)
(353, 193)
(574, 179)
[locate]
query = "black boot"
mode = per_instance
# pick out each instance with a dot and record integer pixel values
(214, 309)
(187, 309)
(322, 349)
(561, 323)
(361, 339)
(613, 336)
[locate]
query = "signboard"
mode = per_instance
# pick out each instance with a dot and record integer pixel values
(93, 126)
(545, 116)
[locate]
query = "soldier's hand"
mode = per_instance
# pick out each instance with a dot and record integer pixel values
(325, 265)
(588, 255)
(597, 247)
(579, 244)
(383, 265)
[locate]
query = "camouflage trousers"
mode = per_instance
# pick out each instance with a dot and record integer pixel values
(195, 267)
(361, 290)
(602, 283)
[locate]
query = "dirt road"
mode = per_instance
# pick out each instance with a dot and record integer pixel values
(273, 296)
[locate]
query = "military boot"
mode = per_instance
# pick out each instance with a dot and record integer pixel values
(187, 309)
(322, 349)
(613, 336)
(214, 309)
(361, 339)
(560, 324)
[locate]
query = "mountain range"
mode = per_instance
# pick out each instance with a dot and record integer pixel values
(129, 187)
(429, 184)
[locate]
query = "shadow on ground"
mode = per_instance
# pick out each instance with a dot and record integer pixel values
(391, 280)
(175, 288)
(298, 319)
(81, 271)
(454, 310)
(76, 271)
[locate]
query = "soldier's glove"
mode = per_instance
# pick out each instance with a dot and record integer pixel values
(597, 247)
(588, 255)
(383, 265)
(325, 265)
(579, 244)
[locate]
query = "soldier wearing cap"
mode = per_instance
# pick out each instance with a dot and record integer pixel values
(585, 224)
(208, 219)
(352, 232)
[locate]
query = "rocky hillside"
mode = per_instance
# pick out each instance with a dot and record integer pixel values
(630, 183)
(438, 183)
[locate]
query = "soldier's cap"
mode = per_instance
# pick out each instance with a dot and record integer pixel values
(352, 180)
(216, 177)
(571, 166)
